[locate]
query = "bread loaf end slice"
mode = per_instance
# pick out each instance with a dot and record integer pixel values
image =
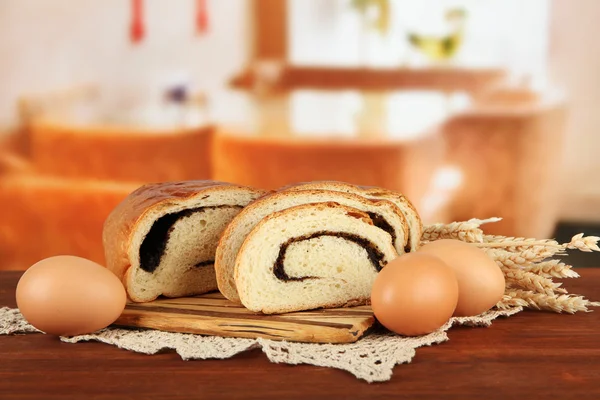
(385, 215)
(310, 256)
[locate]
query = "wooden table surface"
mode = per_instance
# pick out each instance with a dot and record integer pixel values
(532, 355)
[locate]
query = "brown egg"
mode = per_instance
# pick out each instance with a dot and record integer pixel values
(414, 294)
(68, 295)
(481, 282)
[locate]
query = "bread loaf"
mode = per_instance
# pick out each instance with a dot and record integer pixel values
(121, 153)
(275, 157)
(161, 239)
(385, 215)
(371, 192)
(311, 256)
(46, 216)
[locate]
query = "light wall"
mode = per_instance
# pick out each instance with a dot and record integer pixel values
(45, 45)
(575, 64)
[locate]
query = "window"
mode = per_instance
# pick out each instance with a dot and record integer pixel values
(497, 33)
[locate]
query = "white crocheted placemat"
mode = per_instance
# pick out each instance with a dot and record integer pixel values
(372, 358)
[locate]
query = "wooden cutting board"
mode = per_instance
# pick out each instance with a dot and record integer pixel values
(212, 314)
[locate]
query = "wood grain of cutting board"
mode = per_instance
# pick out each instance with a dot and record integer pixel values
(212, 314)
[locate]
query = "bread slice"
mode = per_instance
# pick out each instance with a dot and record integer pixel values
(372, 192)
(310, 256)
(386, 215)
(161, 239)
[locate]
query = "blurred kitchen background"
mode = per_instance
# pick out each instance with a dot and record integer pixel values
(472, 108)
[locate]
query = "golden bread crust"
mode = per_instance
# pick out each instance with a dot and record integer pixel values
(364, 190)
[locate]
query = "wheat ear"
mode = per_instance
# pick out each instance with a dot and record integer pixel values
(510, 259)
(512, 244)
(467, 231)
(562, 303)
(510, 302)
(551, 269)
(529, 281)
(581, 243)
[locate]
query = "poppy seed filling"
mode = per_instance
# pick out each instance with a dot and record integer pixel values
(155, 243)
(375, 255)
(382, 223)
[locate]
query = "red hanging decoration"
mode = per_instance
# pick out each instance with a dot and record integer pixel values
(201, 17)
(137, 29)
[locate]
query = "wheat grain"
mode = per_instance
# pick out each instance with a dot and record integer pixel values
(581, 243)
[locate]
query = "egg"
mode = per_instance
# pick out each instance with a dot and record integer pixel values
(414, 294)
(481, 283)
(68, 295)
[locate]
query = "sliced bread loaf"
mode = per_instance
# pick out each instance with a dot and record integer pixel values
(371, 192)
(385, 215)
(161, 239)
(44, 216)
(319, 255)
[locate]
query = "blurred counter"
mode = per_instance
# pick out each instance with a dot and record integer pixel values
(350, 136)
(455, 156)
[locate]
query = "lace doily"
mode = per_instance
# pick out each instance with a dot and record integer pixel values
(372, 358)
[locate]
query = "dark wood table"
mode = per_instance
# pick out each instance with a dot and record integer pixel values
(532, 355)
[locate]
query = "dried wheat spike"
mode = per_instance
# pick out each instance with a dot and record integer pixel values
(467, 231)
(529, 281)
(552, 269)
(455, 230)
(535, 254)
(563, 303)
(581, 243)
(516, 245)
(480, 222)
(510, 302)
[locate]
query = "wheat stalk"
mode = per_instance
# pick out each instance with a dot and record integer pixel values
(562, 303)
